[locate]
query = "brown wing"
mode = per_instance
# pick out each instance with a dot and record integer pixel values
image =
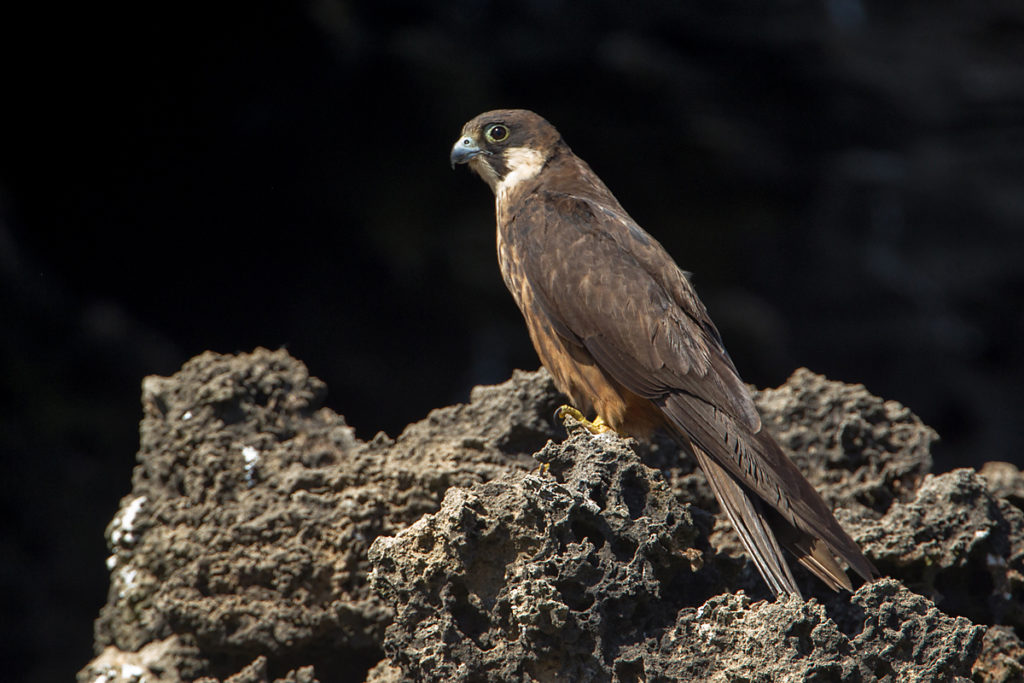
(605, 284)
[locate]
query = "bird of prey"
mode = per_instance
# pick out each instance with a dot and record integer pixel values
(623, 334)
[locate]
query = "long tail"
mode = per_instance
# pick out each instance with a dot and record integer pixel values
(766, 498)
(751, 523)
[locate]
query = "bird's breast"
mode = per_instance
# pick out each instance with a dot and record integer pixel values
(573, 369)
(509, 256)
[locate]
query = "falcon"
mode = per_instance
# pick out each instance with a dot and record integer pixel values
(622, 332)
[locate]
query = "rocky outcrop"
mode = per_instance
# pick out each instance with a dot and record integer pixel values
(263, 541)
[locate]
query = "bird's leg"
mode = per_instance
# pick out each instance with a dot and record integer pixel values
(597, 426)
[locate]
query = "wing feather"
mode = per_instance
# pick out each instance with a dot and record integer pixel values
(609, 287)
(625, 300)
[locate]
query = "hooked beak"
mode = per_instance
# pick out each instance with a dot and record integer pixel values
(464, 150)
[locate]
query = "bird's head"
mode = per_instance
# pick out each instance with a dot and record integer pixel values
(506, 146)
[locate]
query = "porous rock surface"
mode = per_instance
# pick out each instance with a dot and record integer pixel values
(262, 541)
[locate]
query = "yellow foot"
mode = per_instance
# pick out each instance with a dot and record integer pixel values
(598, 426)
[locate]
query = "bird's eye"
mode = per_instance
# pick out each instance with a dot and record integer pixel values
(496, 133)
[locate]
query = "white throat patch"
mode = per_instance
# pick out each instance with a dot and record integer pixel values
(523, 163)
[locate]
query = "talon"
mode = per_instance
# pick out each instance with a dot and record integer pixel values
(564, 411)
(595, 427)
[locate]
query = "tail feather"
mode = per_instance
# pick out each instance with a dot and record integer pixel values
(766, 497)
(748, 517)
(763, 532)
(812, 553)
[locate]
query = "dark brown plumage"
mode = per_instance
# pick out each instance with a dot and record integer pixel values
(621, 330)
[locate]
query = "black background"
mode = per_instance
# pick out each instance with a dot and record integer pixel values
(844, 178)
